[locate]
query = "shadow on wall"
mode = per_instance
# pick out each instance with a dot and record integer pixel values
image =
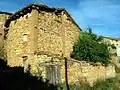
(13, 78)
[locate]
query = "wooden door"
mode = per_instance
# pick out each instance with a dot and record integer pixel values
(53, 74)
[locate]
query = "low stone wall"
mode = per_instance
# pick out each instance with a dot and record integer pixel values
(81, 72)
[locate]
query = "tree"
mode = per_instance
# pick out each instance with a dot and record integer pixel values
(90, 48)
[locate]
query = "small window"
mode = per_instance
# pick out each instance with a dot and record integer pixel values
(25, 37)
(26, 16)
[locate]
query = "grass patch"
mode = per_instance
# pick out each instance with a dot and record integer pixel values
(108, 84)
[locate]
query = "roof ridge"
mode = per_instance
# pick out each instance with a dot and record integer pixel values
(113, 38)
(3, 12)
(40, 7)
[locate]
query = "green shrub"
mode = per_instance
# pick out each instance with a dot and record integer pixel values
(90, 48)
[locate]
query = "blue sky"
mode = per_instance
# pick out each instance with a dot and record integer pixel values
(103, 16)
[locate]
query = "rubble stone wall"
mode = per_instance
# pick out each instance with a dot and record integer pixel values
(3, 18)
(80, 72)
(20, 40)
(56, 34)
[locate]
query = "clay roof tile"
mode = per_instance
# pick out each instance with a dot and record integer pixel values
(41, 7)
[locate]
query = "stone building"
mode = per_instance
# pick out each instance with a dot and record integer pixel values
(39, 34)
(115, 42)
(43, 37)
(3, 17)
(115, 53)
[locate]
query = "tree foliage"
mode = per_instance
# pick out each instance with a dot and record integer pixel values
(90, 48)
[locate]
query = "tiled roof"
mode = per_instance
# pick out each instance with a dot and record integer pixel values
(38, 7)
(113, 38)
(5, 13)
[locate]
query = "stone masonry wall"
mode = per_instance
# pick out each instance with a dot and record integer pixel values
(45, 31)
(72, 34)
(20, 40)
(3, 18)
(56, 34)
(80, 72)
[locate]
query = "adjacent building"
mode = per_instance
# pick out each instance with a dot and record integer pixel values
(115, 52)
(3, 17)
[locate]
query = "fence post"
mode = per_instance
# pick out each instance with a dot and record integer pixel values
(66, 74)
